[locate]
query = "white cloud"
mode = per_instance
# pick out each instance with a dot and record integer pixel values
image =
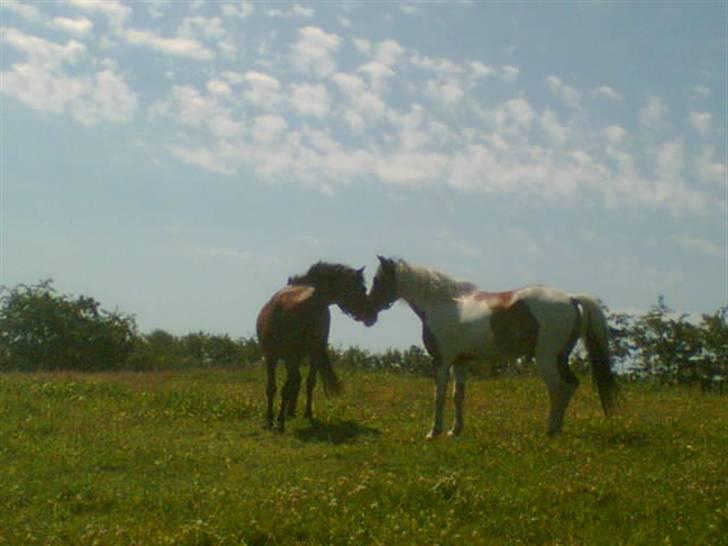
(41, 52)
(388, 52)
(448, 91)
(26, 11)
(364, 105)
(698, 245)
(701, 122)
(514, 117)
(481, 70)
(262, 90)
(241, 10)
(206, 159)
(363, 46)
(192, 108)
(615, 134)
(558, 132)
(412, 169)
(219, 88)
(606, 92)
(114, 11)
(510, 74)
(313, 51)
(441, 66)
(107, 98)
(708, 169)
(80, 26)
(670, 161)
(39, 89)
(310, 100)
(378, 73)
(296, 10)
(566, 93)
(653, 112)
(268, 128)
(199, 27)
(41, 83)
(156, 8)
(702, 91)
(178, 47)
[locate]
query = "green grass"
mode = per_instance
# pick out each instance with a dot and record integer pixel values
(182, 459)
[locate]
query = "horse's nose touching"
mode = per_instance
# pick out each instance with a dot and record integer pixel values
(368, 315)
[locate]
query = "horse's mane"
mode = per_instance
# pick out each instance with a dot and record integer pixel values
(321, 272)
(429, 284)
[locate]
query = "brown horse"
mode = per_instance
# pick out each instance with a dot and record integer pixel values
(294, 325)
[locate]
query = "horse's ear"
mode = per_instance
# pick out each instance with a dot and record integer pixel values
(386, 262)
(360, 271)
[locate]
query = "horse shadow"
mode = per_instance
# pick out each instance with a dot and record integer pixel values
(334, 432)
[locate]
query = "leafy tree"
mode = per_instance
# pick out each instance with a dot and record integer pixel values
(41, 330)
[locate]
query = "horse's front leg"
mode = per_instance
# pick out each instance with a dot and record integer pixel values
(442, 372)
(459, 399)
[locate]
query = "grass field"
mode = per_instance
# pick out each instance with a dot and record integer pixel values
(182, 459)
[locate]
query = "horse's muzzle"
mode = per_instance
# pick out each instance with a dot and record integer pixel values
(370, 320)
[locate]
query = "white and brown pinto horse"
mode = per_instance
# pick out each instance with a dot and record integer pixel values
(462, 324)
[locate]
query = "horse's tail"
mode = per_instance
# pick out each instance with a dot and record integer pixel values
(332, 385)
(596, 339)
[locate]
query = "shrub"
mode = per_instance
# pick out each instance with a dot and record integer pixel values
(41, 330)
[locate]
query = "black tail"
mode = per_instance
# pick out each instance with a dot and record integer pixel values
(597, 346)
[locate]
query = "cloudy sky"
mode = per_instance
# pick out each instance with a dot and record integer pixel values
(178, 160)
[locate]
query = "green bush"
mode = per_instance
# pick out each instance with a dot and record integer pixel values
(41, 330)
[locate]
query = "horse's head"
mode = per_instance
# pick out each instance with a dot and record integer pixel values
(384, 287)
(352, 298)
(344, 286)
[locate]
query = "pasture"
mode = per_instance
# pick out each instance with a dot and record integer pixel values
(183, 459)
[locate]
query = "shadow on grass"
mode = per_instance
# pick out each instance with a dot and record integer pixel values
(337, 432)
(624, 438)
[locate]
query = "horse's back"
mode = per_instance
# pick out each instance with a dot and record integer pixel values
(509, 322)
(292, 320)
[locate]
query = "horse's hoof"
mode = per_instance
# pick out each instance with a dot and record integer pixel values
(433, 435)
(454, 433)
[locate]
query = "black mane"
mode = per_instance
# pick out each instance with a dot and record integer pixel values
(321, 272)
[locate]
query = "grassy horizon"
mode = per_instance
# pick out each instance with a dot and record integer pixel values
(182, 458)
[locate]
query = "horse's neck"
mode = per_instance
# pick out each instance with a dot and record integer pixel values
(419, 301)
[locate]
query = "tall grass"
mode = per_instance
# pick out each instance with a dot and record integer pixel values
(182, 459)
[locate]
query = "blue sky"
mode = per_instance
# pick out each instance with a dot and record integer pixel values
(179, 160)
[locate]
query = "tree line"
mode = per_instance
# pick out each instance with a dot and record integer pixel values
(43, 330)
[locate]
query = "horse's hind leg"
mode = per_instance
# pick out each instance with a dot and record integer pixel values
(289, 393)
(561, 383)
(310, 384)
(294, 375)
(270, 390)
